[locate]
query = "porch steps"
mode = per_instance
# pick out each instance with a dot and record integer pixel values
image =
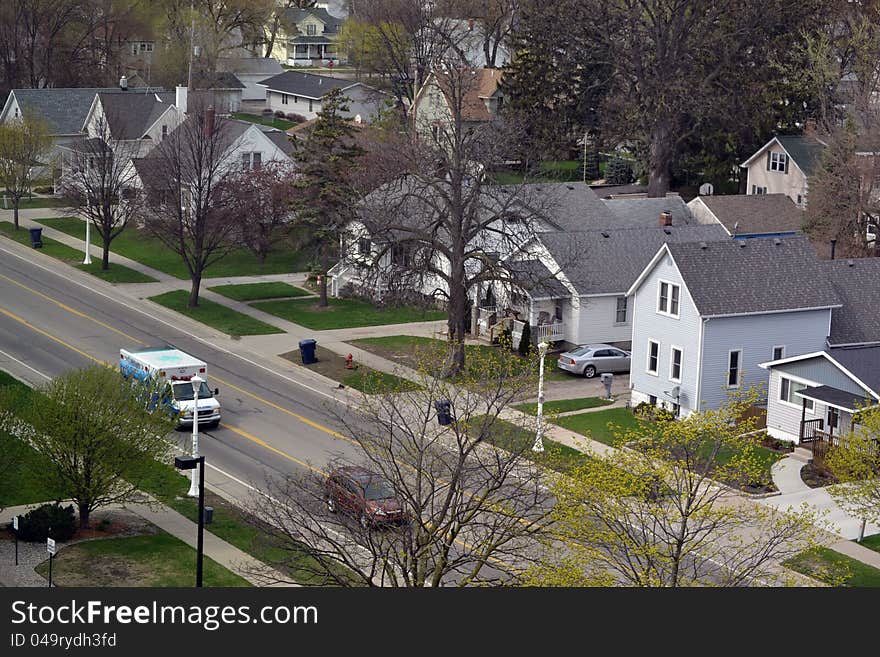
(802, 454)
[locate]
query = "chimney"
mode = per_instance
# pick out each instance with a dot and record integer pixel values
(833, 247)
(665, 218)
(123, 83)
(180, 98)
(810, 127)
(209, 121)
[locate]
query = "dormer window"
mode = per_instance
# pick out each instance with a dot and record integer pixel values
(778, 162)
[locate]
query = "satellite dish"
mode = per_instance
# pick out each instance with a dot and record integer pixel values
(706, 189)
(674, 393)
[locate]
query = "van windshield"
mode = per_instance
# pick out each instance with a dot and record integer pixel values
(183, 391)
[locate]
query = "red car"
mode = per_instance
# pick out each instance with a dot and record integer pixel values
(363, 494)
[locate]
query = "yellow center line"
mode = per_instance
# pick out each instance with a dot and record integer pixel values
(263, 443)
(74, 311)
(23, 321)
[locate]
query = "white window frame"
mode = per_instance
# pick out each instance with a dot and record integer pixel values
(284, 98)
(778, 161)
(739, 369)
(811, 406)
(655, 372)
(773, 352)
(617, 311)
(667, 311)
(672, 350)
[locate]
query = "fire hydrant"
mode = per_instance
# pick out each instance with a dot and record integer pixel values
(349, 362)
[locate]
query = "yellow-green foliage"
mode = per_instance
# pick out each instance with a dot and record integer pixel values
(855, 460)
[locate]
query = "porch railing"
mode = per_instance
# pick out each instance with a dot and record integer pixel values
(809, 429)
(540, 333)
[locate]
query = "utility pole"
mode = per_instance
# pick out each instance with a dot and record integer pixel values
(192, 45)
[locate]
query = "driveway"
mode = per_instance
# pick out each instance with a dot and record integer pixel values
(577, 386)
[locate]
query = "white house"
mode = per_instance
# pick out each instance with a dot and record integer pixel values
(293, 92)
(476, 91)
(783, 166)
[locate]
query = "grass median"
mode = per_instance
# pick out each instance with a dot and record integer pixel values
(140, 246)
(344, 313)
(115, 274)
(256, 291)
(363, 378)
(215, 315)
(565, 405)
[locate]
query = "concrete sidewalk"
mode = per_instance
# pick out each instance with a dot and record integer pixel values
(163, 517)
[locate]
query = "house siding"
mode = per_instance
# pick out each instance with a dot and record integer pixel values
(756, 335)
(683, 333)
(791, 184)
(361, 100)
(431, 109)
(784, 420)
(596, 321)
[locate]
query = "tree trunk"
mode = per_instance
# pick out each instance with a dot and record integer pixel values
(456, 325)
(323, 302)
(660, 161)
(105, 256)
(15, 214)
(194, 291)
(84, 515)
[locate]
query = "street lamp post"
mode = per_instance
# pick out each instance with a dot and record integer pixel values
(196, 464)
(196, 381)
(539, 444)
(88, 258)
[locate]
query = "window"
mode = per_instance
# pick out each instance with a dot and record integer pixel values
(134, 49)
(778, 162)
(800, 199)
(558, 312)
(251, 161)
(758, 190)
(653, 356)
(401, 255)
(620, 313)
(833, 417)
(787, 390)
(779, 352)
(284, 99)
(652, 400)
(257, 161)
(150, 47)
(311, 29)
(164, 131)
(675, 365)
(311, 107)
(364, 246)
(734, 365)
(668, 299)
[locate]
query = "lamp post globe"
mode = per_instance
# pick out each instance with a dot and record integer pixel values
(539, 443)
(196, 382)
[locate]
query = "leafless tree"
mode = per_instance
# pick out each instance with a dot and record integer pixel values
(492, 20)
(473, 510)
(185, 178)
(100, 185)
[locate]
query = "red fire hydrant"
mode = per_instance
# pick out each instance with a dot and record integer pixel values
(349, 362)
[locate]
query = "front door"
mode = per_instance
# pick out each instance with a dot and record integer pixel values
(832, 420)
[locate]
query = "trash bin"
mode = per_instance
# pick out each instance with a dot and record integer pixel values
(307, 351)
(209, 515)
(36, 237)
(607, 378)
(444, 412)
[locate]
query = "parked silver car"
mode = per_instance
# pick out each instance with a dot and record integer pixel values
(591, 359)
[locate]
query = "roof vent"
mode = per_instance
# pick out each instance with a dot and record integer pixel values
(604, 234)
(569, 187)
(850, 263)
(777, 241)
(742, 244)
(123, 83)
(703, 245)
(667, 231)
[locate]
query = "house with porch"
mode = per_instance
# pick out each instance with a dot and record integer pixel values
(707, 314)
(818, 394)
(308, 37)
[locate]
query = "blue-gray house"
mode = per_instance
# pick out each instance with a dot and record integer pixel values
(706, 314)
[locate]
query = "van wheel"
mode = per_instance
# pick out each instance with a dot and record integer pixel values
(589, 372)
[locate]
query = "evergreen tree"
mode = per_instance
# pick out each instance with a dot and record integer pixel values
(525, 340)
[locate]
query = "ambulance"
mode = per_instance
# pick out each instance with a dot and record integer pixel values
(176, 369)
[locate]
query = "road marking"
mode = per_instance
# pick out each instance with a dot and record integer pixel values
(23, 321)
(38, 372)
(64, 306)
(263, 443)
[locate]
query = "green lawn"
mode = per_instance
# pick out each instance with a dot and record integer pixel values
(215, 315)
(363, 378)
(872, 542)
(149, 560)
(514, 438)
(254, 291)
(148, 250)
(115, 274)
(564, 405)
(834, 568)
(281, 124)
(595, 425)
(344, 313)
(36, 202)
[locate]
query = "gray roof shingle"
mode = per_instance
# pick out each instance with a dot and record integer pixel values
(863, 362)
(534, 277)
(295, 15)
(857, 283)
(130, 115)
(645, 212)
(756, 214)
(735, 277)
(609, 261)
(64, 110)
(806, 151)
(307, 85)
(250, 65)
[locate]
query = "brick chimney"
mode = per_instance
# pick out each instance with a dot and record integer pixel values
(665, 218)
(209, 121)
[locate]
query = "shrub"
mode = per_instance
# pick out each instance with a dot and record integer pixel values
(267, 112)
(43, 190)
(34, 526)
(618, 172)
(505, 339)
(525, 340)
(295, 118)
(279, 114)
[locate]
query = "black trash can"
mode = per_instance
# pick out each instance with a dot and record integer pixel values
(36, 237)
(444, 412)
(307, 351)
(209, 515)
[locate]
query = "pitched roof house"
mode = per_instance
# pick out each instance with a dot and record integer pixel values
(476, 91)
(706, 314)
(300, 93)
(747, 215)
(783, 166)
(308, 37)
(249, 71)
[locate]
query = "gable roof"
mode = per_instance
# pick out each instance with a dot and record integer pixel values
(857, 283)
(536, 279)
(307, 85)
(754, 214)
(608, 261)
(483, 84)
(295, 15)
(743, 277)
(861, 364)
(129, 115)
(804, 150)
(646, 211)
(218, 80)
(63, 110)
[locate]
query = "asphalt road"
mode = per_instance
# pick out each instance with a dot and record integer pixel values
(271, 423)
